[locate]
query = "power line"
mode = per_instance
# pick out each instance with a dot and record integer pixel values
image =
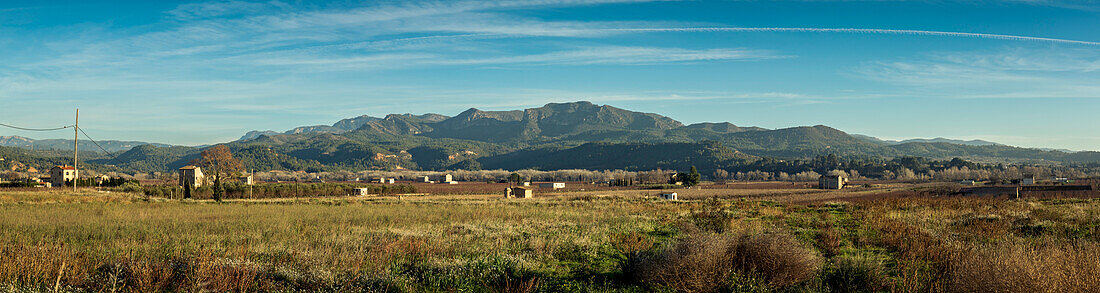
(93, 141)
(36, 129)
(113, 157)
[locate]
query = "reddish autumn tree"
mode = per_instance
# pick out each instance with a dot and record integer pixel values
(220, 161)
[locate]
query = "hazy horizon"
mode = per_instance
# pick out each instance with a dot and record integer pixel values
(1022, 73)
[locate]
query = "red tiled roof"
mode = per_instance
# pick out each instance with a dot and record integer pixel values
(66, 167)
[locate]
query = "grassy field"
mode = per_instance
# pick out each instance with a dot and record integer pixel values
(883, 238)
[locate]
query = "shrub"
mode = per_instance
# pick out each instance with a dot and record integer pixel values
(131, 187)
(704, 262)
(631, 243)
(699, 263)
(860, 272)
(713, 217)
(829, 239)
(1027, 267)
(777, 258)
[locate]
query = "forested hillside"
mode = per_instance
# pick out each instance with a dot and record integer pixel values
(67, 144)
(578, 135)
(626, 156)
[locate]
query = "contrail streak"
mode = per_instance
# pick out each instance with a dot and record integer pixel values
(856, 31)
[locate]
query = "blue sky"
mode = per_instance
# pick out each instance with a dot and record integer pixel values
(1017, 72)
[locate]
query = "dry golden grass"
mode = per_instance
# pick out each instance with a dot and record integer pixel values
(783, 193)
(58, 195)
(1039, 266)
(983, 245)
(310, 244)
(568, 241)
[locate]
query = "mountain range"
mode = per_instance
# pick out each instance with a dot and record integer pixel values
(558, 136)
(338, 127)
(67, 144)
(972, 142)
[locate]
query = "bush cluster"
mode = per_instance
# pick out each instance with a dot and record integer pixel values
(235, 190)
(707, 262)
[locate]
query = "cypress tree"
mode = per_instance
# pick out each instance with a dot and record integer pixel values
(218, 189)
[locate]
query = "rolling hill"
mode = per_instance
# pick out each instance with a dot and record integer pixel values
(67, 144)
(552, 122)
(626, 156)
(972, 142)
(528, 138)
(342, 126)
(555, 136)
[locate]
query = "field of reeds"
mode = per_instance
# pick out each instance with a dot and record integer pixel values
(885, 238)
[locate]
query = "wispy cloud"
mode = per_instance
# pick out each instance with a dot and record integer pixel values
(192, 11)
(1014, 73)
(599, 55)
(454, 101)
(427, 33)
(864, 31)
(242, 60)
(1065, 60)
(622, 55)
(1090, 5)
(275, 33)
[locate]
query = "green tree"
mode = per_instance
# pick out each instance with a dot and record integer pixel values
(219, 189)
(687, 179)
(692, 177)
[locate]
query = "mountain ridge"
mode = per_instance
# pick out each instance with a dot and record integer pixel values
(342, 126)
(972, 142)
(560, 135)
(67, 144)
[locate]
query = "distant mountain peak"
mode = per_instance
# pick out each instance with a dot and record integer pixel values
(256, 134)
(67, 144)
(577, 103)
(722, 127)
(469, 115)
(5, 140)
(468, 112)
(341, 126)
(548, 121)
(428, 117)
(972, 142)
(584, 114)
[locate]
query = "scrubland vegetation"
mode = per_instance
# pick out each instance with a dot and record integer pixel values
(742, 240)
(237, 190)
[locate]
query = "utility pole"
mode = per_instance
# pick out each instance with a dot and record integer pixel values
(76, 136)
